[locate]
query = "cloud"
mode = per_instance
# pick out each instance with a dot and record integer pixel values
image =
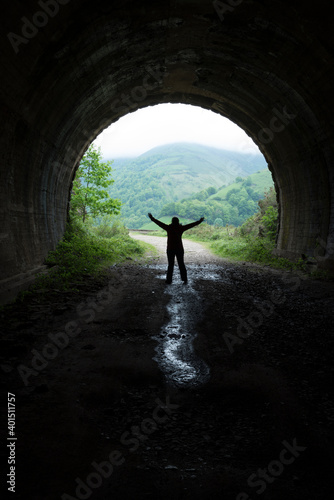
(138, 132)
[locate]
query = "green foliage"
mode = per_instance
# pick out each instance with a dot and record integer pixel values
(269, 220)
(254, 241)
(211, 190)
(259, 250)
(234, 205)
(231, 192)
(168, 174)
(251, 225)
(245, 248)
(86, 252)
(264, 221)
(269, 200)
(205, 232)
(109, 226)
(89, 193)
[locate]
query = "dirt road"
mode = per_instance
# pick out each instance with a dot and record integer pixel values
(195, 253)
(220, 389)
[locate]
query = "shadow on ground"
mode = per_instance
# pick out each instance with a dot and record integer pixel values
(102, 416)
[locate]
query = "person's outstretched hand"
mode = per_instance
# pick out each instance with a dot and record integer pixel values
(201, 219)
(150, 216)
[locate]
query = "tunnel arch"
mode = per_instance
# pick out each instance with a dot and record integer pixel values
(267, 69)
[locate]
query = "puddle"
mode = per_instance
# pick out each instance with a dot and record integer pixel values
(175, 353)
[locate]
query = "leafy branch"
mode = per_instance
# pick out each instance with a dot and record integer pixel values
(90, 197)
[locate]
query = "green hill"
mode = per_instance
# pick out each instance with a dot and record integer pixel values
(231, 204)
(260, 182)
(173, 172)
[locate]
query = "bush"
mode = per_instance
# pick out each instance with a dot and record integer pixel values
(83, 252)
(110, 227)
(218, 222)
(205, 232)
(254, 241)
(269, 200)
(269, 220)
(250, 226)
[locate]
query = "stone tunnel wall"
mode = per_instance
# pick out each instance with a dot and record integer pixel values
(72, 67)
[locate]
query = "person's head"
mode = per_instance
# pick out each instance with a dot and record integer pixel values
(175, 221)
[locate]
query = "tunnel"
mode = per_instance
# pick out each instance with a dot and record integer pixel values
(70, 68)
(95, 415)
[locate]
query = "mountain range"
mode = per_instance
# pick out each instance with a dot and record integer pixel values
(173, 172)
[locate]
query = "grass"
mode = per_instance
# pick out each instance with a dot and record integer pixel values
(260, 181)
(89, 252)
(148, 249)
(86, 251)
(258, 250)
(254, 241)
(230, 243)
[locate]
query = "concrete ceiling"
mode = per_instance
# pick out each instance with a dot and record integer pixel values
(72, 67)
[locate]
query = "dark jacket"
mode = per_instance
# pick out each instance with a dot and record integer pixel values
(174, 233)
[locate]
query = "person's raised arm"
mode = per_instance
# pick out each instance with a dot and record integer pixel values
(193, 224)
(158, 222)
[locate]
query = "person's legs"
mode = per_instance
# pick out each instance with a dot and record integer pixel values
(182, 267)
(171, 258)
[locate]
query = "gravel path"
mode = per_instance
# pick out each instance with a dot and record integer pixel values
(195, 253)
(116, 384)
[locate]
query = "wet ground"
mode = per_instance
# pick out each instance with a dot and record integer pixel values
(133, 389)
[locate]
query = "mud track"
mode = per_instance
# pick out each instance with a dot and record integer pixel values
(131, 389)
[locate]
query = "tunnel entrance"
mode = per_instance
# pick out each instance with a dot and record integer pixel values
(184, 161)
(268, 72)
(264, 422)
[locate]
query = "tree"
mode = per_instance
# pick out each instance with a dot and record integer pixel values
(269, 200)
(231, 192)
(270, 219)
(89, 195)
(211, 190)
(168, 209)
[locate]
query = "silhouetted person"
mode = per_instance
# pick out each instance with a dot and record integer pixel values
(174, 245)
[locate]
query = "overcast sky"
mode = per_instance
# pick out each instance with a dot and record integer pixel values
(138, 132)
